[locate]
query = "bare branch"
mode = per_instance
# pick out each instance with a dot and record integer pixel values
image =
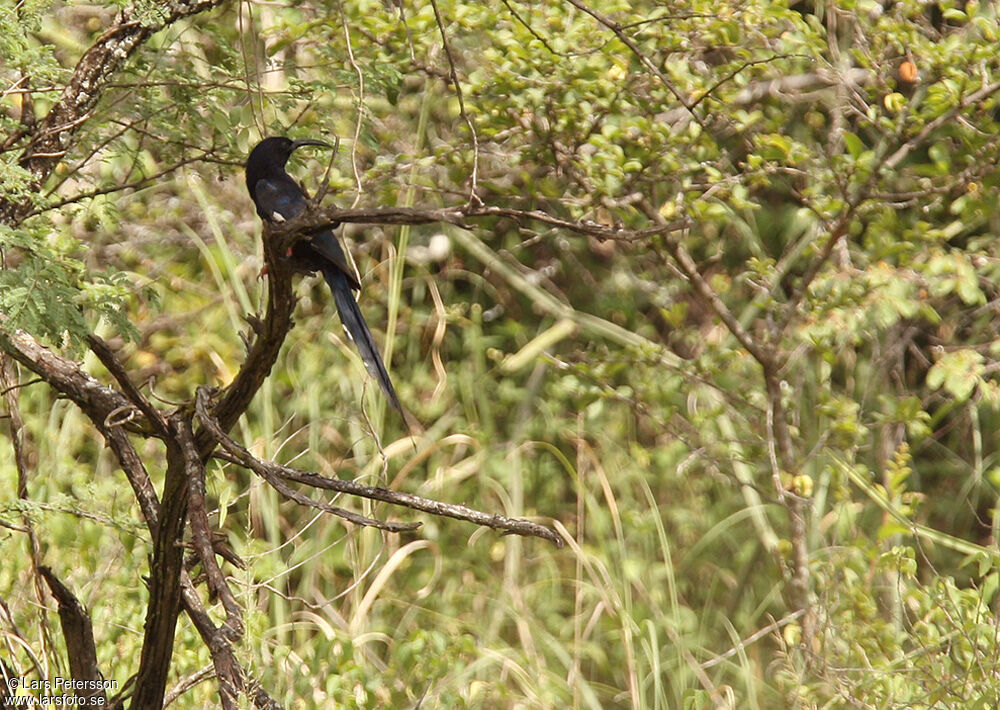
(266, 345)
(688, 267)
(78, 633)
(798, 85)
(164, 575)
(227, 669)
(201, 535)
(290, 493)
(837, 232)
(203, 157)
(453, 73)
(66, 376)
(19, 441)
(320, 218)
(710, 91)
(359, 121)
(269, 469)
(186, 683)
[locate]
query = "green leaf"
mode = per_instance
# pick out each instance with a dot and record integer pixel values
(853, 144)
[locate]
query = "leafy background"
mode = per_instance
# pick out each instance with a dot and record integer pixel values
(837, 164)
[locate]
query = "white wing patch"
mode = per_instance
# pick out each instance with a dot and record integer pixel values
(276, 217)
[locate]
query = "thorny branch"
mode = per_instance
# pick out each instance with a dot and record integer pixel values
(117, 370)
(263, 351)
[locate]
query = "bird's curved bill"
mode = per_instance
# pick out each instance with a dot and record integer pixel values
(309, 141)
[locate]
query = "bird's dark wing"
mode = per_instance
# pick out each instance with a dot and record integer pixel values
(328, 246)
(278, 200)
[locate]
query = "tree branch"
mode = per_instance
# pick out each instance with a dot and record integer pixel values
(893, 161)
(108, 358)
(278, 238)
(78, 631)
(164, 575)
(266, 345)
(317, 219)
(19, 441)
(67, 377)
(269, 470)
(201, 535)
(619, 32)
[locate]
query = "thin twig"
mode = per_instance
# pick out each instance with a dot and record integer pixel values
(186, 683)
(534, 33)
(473, 198)
(619, 32)
(359, 188)
(19, 441)
(756, 636)
(904, 150)
(276, 481)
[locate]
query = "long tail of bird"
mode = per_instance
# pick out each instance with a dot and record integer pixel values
(350, 316)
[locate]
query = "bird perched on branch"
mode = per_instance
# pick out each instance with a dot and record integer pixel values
(278, 199)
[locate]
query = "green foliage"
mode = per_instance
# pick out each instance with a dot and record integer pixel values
(911, 643)
(49, 292)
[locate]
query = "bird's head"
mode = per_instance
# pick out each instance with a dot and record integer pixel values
(271, 154)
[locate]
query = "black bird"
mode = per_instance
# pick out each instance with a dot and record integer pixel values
(279, 198)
